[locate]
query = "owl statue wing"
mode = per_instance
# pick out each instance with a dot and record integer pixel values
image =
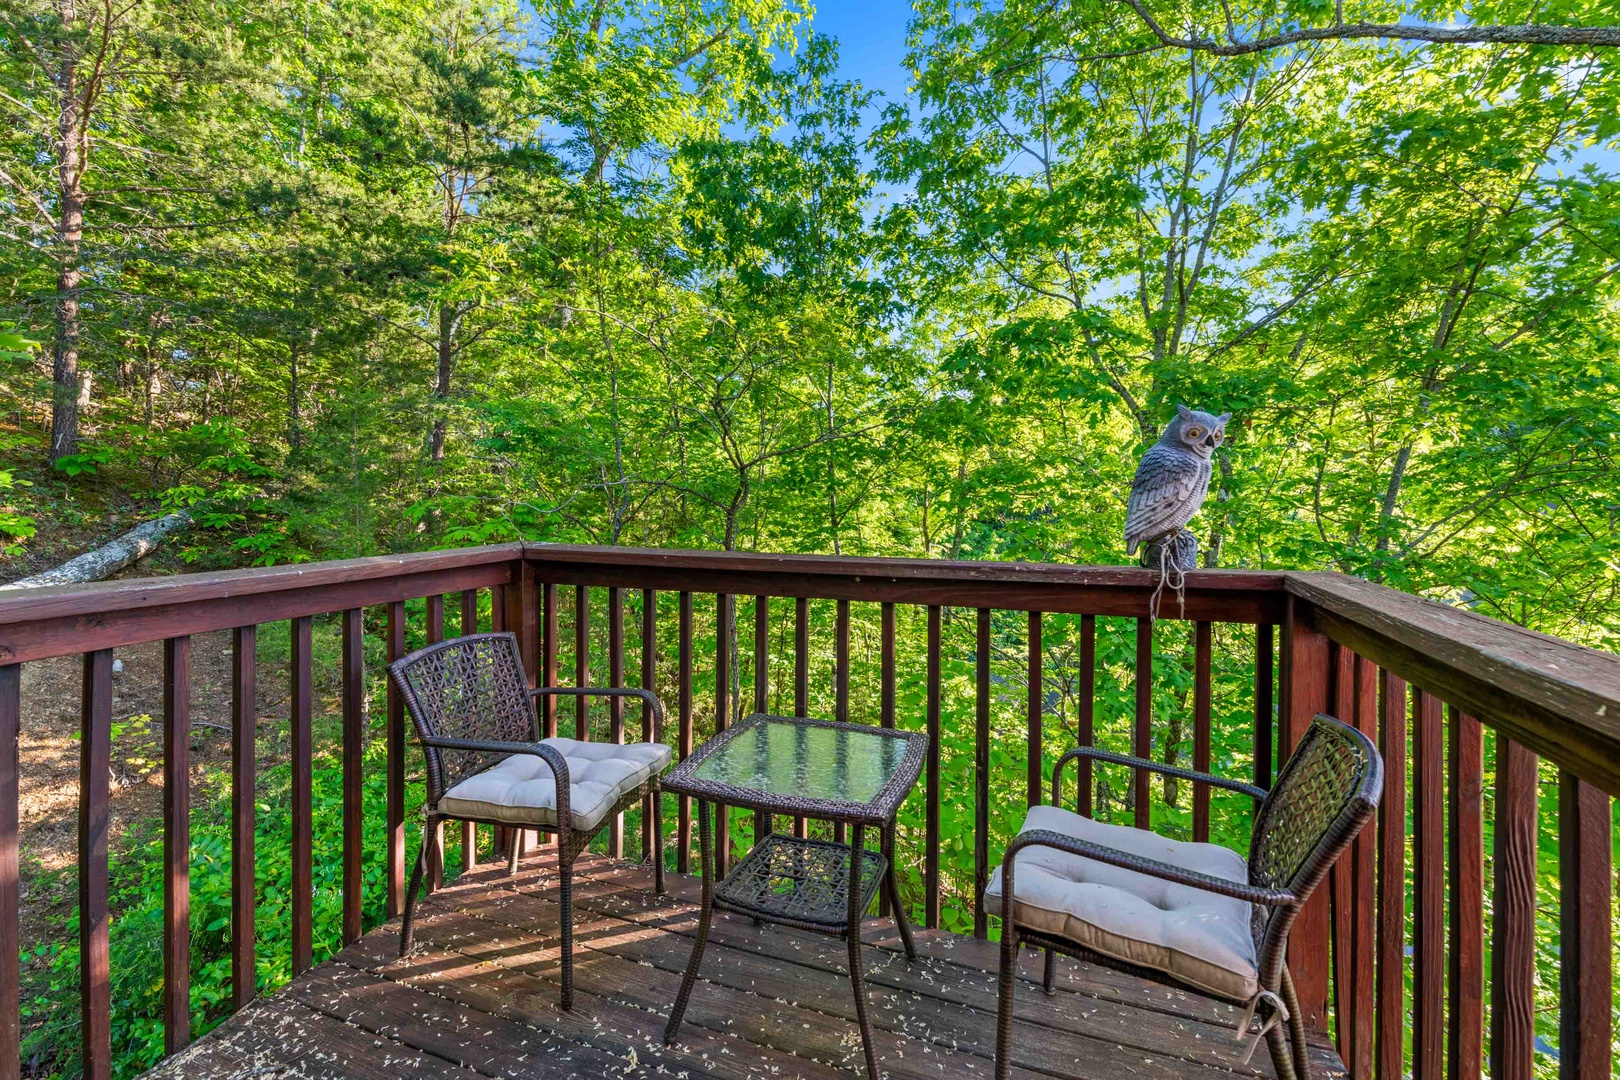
(1166, 493)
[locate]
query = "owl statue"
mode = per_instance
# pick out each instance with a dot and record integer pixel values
(1171, 482)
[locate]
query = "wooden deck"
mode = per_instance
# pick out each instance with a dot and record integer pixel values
(478, 999)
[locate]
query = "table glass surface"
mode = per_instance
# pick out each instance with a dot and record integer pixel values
(778, 757)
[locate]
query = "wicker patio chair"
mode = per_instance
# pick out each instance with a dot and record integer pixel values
(1196, 915)
(486, 762)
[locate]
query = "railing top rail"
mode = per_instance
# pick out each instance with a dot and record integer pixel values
(103, 597)
(1556, 697)
(40, 623)
(1215, 595)
(892, 569)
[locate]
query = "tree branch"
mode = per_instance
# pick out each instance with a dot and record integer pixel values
(1525, 34)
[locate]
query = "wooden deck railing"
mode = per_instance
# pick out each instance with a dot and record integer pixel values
(1431, 684)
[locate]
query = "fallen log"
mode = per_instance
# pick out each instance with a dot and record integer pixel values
(111, 557)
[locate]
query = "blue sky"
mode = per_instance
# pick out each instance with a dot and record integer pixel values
(871, 41)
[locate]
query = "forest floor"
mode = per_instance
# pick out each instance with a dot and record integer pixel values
(49, 759)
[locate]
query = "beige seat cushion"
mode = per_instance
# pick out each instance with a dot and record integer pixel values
(520, 790)
(1200, 938)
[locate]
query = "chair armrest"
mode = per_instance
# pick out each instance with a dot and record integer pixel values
(1240, 890)
(611, 692)
(550, 755)
(1092, 753)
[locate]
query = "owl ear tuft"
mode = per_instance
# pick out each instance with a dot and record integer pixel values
(1223, 418)
(1184, 412)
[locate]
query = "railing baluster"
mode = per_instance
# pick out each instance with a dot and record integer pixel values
(1263, 704)
(683, 826)
(1465, 986)
(354, 733)
(435, 618)
(10, 885)
(548, 658)
(649, 680)
(1585, 936)
(1142, 734)
(469, 830)
(1304, 679)
(1392, 881)
(582, 660)
(886, 666)
(931, 780)
(1203, 646)
(615, 705)
(396, 765)
(840, 681)
(95, 762)
(1034, 708)
(301, 745)
(981, 775)
(762, 687)
(801, 676)
(886, 702)
(1429, 895)
(762, 653)
(244, 776)
(523, 612)
(1513, 914)
(1341, 877)
(1364, 932)
(497, 609)
(722, 719)
(841, 662)
(1085, 723)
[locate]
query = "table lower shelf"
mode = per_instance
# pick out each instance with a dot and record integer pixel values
(799, 881)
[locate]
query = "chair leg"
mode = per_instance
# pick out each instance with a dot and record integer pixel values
(857, 976)
(1049, 972)
(892, 890)
(1282, 1057)
(705, 911)
(565, 905)
(1296, 1026)
(514, 848)
(416, 885)
(1005, 982)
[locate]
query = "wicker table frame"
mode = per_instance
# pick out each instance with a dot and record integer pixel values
(819, 913)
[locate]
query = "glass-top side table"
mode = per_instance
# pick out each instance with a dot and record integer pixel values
(846, 773)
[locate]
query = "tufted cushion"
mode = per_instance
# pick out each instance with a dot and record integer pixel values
(1200, 938)
(520, 790)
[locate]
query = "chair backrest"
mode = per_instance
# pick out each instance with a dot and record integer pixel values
(469, 687)
(1327, 790)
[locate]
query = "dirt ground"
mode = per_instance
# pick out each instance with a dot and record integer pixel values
(49, 758)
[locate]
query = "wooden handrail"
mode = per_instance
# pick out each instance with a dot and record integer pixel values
(1560, 699)
(1244, 596)
(39, 623)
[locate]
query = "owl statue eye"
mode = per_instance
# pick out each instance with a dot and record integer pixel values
(1195, 432)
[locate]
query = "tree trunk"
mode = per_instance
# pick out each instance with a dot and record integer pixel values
(292, 402)
(66, 388)
(111, 557)
(448, 317)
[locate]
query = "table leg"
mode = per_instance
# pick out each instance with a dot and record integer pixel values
(705, 861)
(856, 976)
(892, 889)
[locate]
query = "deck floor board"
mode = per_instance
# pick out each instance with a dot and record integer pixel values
(477, 997)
